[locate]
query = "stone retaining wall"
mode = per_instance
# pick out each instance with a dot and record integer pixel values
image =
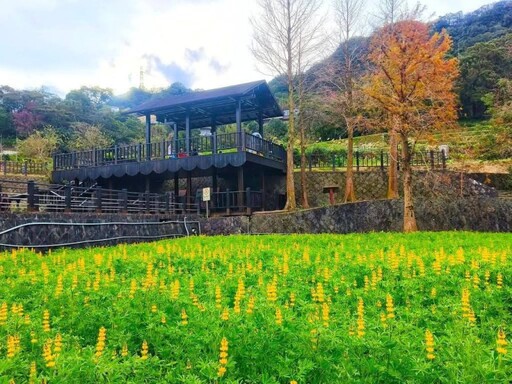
(107, 229)
(468, 214)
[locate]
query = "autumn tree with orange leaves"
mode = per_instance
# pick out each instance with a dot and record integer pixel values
(412, 81)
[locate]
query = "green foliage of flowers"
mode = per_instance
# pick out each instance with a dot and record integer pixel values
(389, 308)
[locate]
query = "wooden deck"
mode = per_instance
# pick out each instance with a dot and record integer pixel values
(205, 154)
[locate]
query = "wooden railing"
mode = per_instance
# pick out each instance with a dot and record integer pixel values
(371, 159)
(174, 149)
(32, 196)
(23, 168)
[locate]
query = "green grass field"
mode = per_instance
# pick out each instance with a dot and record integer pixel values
(374, 308)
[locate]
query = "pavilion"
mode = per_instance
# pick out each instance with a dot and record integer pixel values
(239, 164)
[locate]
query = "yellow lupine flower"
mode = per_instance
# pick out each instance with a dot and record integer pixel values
(184, 317)
(501, 343)
(46, 321)
(100, 345)
(144, 351)
(279, 316)
(223, 357)
(390, 308)
(429, 345)
(360, 318)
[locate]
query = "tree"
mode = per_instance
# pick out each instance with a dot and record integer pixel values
(413, 82)
(481, 66)
(348, 18)
(39, 145)
(391, 12)
(87, 136)
(285, 40)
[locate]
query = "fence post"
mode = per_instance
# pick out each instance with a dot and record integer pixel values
(382, 160)
(24, 169)
(4, 163)
(432, 164)
(67, 198)
(167, 202)
(248, 204)
(163, 149)
(139, 153)
(115, 154)
(357, 161)
(333, 159)
(443, 159)
(31, 196)
(97, 199)
(228, 207)
(123, 196)
(147, 202)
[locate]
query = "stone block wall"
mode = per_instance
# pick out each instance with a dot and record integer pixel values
(372, 185)
(88, 229)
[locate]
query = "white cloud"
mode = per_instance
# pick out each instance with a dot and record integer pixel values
(68, 43)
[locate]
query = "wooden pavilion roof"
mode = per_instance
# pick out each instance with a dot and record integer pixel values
(214, 106)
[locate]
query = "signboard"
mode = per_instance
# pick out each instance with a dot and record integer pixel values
(206, 194)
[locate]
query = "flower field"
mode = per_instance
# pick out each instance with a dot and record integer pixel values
(389, 308)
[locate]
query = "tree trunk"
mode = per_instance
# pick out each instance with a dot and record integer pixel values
(392, 168)
(350, 195)
(303, 186)
(409, 215)
(290, 186)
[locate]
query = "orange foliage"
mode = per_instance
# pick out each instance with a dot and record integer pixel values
(412, 78)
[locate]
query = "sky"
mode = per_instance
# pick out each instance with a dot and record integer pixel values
(64, 44)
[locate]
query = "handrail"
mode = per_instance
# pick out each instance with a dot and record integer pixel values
(32, 196)
(169, 149)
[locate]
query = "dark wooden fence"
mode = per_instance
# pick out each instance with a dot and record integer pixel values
(31, 196)
(174, 149)
(371, 159)
(23, 168)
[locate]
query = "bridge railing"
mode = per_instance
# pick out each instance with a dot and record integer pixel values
(170, 149)
(32, 196)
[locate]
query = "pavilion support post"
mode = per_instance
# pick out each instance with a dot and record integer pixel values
(260, 122)
(263, 205)
(148, 136)
(214, 136)
(214, 186)
(176, 189)
(240, 179)
(187, 133)
(189, 189)
(176, 149)
(238, 115)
